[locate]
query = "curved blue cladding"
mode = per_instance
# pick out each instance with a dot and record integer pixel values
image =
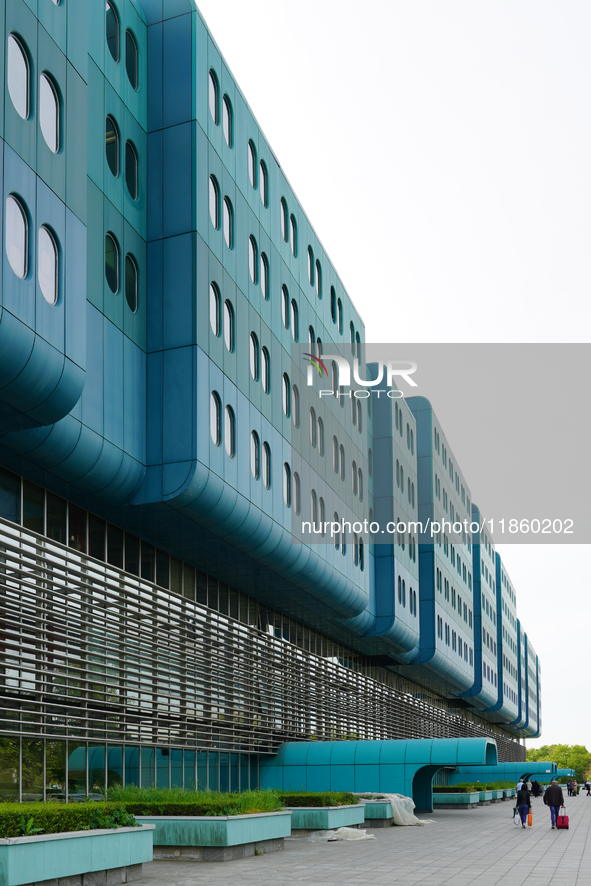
(215, 504)
(504, 771)
(484, 691)
(42, 361)
(405, 766)
(444, 629)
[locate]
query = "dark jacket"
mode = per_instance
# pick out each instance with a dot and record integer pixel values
(554, 796)
(523, 797)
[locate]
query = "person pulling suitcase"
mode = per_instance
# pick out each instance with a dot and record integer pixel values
(554, 798)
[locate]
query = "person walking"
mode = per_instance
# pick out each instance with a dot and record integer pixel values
(554, 798)
(569, 787)
(588, 786)
(523, 803)
(519, 784)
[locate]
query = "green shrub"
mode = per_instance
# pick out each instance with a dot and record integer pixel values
(24, 819)
(323, 798)
(468, 787)
(176, 801)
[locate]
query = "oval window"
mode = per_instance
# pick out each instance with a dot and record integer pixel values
(294, 320)
(287, 485)
(131, 282)
(284, 230)
(214, 102)
(214, 309)
(255, 455)
(265, 370)
(252, 259)
(132, 59)
(47, 265)
(286, 395)
(312, 427)
(318, 279)
(112, 25)
(264, 276)
(314, 508)
(229, 326)
(264, 184)
(252, 164)
(254, 356)
(215, 418)
(16, 237)
(293, 235)
(266, 466)
(285, 306)
(112, 262)
(310, 266)
(229, 432)
(18, 76)
(228, 223)
(214, 202)
(112, 145)
(297, 491)
(295, 406)
(131, 170)
(49, 113)
(228, 122)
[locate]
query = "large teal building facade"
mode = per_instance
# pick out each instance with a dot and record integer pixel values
(159, 441)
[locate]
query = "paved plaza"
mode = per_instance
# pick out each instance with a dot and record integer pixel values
(481, 846)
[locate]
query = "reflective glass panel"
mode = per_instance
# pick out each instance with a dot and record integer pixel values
(228, 122)
(131, 59)
(112, 30)
(131, 170)
(131, 283)
(112, 263)
(49, 118)
(18, 76)
(112, 145)
(47, 265)
(16, 237)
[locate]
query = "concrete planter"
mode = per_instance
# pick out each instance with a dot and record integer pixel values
(218, 837)
(378, 814)
(485, 798)
(497, 796)
(509, 792)
(456, 801)
(117, 854)
(320, 818)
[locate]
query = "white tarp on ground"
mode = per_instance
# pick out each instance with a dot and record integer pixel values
(402, 809)
(340, 834)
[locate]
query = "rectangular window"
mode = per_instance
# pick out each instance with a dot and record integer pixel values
(56, 518)
(10, 497)
(96, 537)
(33, 507)
(77, 528)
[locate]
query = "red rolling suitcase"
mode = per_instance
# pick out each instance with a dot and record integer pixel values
(562, 820)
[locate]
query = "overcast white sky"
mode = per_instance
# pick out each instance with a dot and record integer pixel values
(441, 149)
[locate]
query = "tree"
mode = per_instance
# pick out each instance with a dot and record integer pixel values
(565, 756)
